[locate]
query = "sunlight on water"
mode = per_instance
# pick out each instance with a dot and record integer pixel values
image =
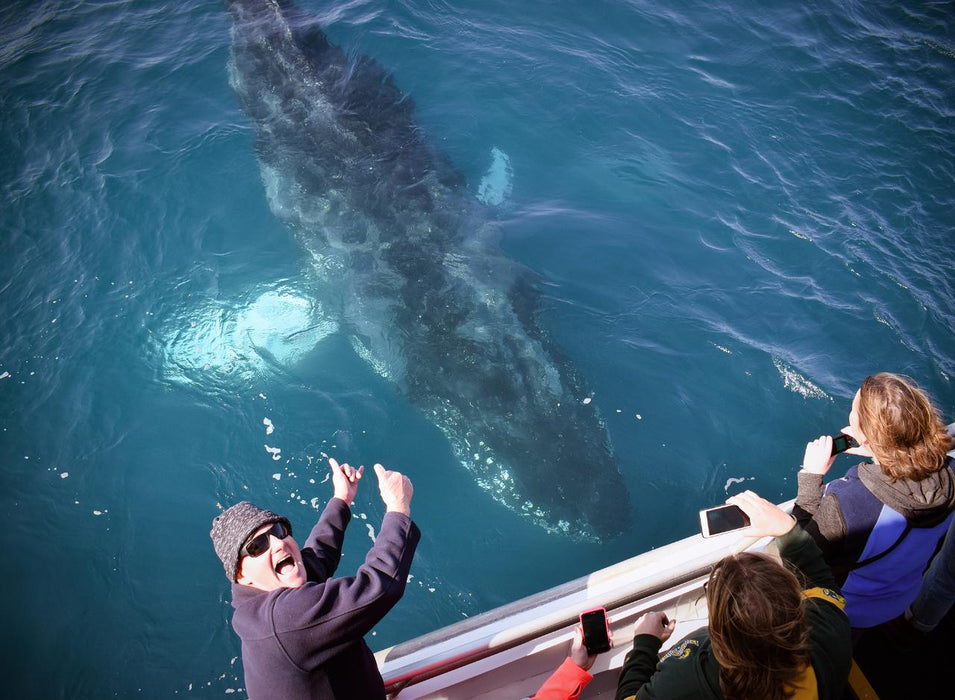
(277, 329)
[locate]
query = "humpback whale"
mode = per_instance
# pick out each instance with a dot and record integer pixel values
(408, 262)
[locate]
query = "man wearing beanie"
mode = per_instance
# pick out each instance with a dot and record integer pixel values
(301, 629)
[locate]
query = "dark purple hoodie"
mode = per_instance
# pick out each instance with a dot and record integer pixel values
(306, 643)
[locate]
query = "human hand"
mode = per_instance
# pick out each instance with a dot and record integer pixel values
(818, 457)
(396, 490)
(863, 449)
(655, 623)
(765, 518)
(345, 480)
(578, 652)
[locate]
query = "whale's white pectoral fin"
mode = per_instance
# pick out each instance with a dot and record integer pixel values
(284, 327)
(278, 327)
(382, 367)
(497, 182)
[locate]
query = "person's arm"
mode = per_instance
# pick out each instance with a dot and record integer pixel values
(827, 525)
(820, 515)
(649, 634)
(816, 462)
(566, 683)
(795, 545)
(323, 547)
(572, 676)
(808, 496)
(799, 549)
(315, 621)
(345, 480)
(638, 666)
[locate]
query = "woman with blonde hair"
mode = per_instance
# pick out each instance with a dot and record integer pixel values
(881, 523)
(772, 633)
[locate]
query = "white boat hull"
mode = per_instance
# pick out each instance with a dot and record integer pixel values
(510, 651)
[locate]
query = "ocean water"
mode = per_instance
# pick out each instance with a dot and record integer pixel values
(736, 211)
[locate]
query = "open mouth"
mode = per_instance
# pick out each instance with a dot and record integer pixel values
(284, 566)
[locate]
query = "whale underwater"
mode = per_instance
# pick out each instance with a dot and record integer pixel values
(408, 264)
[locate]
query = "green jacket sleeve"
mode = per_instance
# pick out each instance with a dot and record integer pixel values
(799, 549)
(638, 666)
(685, 671)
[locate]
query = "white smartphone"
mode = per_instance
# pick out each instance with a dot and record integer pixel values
(716, 521)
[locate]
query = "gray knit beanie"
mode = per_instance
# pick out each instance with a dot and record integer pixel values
(232, 527)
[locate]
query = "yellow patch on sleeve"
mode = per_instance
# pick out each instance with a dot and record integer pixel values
(682, 650)
(826, 594)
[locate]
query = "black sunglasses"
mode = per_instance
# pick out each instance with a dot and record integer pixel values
(259, 544)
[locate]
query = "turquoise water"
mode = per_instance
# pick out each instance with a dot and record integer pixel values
(737, 212)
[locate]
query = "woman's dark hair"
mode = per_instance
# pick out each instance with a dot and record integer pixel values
(904, 430)
(758, 627)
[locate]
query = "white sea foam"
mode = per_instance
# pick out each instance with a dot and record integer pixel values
(736, 480)
(797, 383)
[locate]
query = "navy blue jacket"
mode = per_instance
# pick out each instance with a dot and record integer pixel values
(306, 643)
(877, 535)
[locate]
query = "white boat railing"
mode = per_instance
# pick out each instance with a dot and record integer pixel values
(509, 651)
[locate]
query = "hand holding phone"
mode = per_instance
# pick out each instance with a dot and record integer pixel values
(716, 521)
(768, 519)
(843, 442)
(819, 455)
(578, 652)
(596, 630)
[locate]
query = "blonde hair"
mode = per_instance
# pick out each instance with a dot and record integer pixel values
(758, 627)
(905, 432)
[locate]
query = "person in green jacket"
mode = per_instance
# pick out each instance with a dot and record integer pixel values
(775, 630)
